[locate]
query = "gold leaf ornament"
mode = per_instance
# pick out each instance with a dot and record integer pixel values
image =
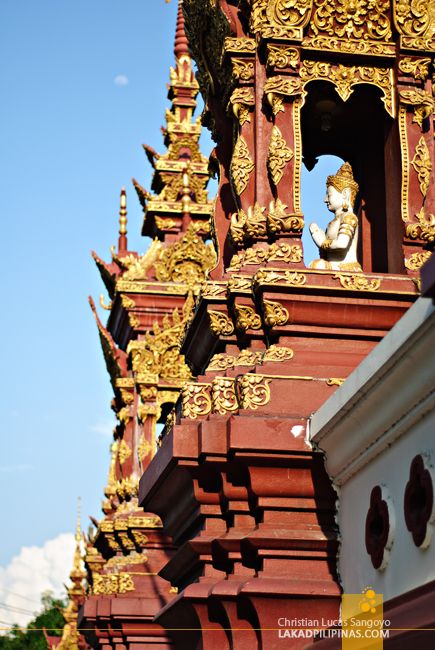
(195, 400)
(274, 313)
(246, 318)
(254, 392)
(124, 452)
(422, 164)
(220, 324)
(241, 166)
(279, 155)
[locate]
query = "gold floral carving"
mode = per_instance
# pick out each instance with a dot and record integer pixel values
(236, 263)
(422, 164)
(195, 400)
(113, 543)
(275, 353)
(127, 397)
(143, 448)
(282, 57)
(148, 392)
(416, 260)
(249, 358)
(277, 87)
(127, 487)
(357, 19)
(112, 584)
(139, 538)
(223, 396)
(253, 391)
(211, 289)
(221, 362)
(426, 227)
(241, 45)
(357, 282)
(344, 77)
(242, 70)
(187, 260)
(290, 253)
(347, 46)
(220, 324)
(293, 278)
(241, 166)
(133, 320)
(418, 68)
(279, 18)
(279, 155)
(274, 313)
(421, 100)
(125, 540)
(239, 283)
(279, 221)
(165, 224)
(255, 225)
(124, 452)
(404, 194)
(416, 19)
(127, 303)
(124, 382)
(246, 318)
(144, 410)
(124, 415)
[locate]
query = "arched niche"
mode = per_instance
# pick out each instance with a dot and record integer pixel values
(360, 131)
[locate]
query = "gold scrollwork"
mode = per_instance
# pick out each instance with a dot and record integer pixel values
(164, 224)
(112, 584)
(249, 358)
(419, 68)
(274, 313)
(277, 87)
(236, 283)
(253, 391)
(223, 396)
(416, 260)
(279, 18)
(210, 289)
(415, 19)
(195, 400)
(221, 362)
(242, 70)
(127, 397)
(279, 155)
(421, 100)
(347, 46)
(242, 99)
(426, 227)
(422, 164)
(220, 324)
(243, 45)
(279, 221)
(127, 303)
(133, 320)
(246, 318)
(144, 410)
(282, 57)
(277, 354)
(357, 282)
(241, 166)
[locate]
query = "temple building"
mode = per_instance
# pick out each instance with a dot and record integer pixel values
(295, 462)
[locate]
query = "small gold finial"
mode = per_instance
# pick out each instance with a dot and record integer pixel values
(78, 533)
(123, 213)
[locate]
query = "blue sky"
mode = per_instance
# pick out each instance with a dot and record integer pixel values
(70, 139)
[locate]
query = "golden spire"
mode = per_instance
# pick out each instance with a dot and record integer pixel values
(122, 242)
(77, 554)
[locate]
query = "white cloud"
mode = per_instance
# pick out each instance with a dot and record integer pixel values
(32, 572)
(121, 80)
(104, 426)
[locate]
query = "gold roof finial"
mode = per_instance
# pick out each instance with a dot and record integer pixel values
(122, 242)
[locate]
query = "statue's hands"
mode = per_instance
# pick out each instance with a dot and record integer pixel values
(317, 234)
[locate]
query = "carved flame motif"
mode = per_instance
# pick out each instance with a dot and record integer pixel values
(279, 155)
(241, 166)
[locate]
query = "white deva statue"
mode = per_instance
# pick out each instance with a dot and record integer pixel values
(338, 245)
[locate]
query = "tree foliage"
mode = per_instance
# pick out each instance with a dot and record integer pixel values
(32, 638)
